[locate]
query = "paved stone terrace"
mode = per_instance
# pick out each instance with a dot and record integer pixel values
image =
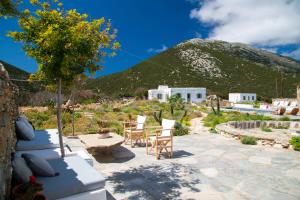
(205, 166)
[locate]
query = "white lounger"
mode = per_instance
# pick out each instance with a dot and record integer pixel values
(43, 139)
(77, 180)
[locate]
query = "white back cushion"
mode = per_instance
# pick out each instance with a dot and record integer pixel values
(167, 125)
(294, 104)
(140, 121)
(286, 103)
(276, 103)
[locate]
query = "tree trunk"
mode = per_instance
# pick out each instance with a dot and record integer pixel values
(212, 106)
(59, 125)
(218, 105)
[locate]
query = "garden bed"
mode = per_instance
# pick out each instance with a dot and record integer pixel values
(278, 134)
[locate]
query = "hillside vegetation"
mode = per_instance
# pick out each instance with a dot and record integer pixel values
(26, 89)
(219, 66)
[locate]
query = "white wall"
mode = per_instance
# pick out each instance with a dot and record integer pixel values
(155, 94)
(193, 94)
(166, 92)
(242, 97)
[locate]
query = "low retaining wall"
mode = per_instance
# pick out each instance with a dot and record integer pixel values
(259, 124)
(277, 138)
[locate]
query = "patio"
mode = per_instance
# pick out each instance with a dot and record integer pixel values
(205, 166)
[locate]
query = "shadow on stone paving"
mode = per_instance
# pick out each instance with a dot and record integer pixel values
(155, 181)
(176, 154)
(118, 155)
(181, 154)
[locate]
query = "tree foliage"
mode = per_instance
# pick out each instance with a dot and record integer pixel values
(63, 42)
(176, 103)
(8, 8)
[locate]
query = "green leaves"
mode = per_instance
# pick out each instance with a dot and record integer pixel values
(64, 43)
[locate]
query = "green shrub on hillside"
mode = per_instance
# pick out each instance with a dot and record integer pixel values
(249, 140)
(295, 141)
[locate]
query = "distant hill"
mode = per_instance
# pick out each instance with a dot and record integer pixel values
(26, 89)
(221, 67)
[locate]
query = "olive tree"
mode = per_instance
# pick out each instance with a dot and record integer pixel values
(64, 43)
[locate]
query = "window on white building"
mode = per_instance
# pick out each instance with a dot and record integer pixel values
(252, 98)
(159, 96)
(199, 95)
(244, 98)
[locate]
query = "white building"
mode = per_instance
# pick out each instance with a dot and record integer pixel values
(163, 92)
(242, 97)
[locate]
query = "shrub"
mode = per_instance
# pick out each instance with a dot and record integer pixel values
(212, 130)
(266, 129)
(249, 140)
(295, 141)
(285, 118)
(180, 130)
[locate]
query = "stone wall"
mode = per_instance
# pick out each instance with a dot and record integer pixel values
(268, 124)
(8, 113)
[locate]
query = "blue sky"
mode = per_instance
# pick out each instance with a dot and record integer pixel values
(146, 27)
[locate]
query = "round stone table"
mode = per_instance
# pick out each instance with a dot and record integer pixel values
(94, 145)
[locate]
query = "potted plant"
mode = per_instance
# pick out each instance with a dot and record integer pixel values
(31, 190)
(103, 129)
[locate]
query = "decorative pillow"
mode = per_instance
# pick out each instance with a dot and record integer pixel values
(39, 166)
(24, 131)
(26, 121)
(20, 169)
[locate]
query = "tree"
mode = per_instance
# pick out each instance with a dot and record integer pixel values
(215, 98)
(64, 43)
(8, 8)
(176, 103)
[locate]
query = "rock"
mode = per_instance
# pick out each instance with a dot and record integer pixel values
(279, 146)
(209, 172)
(285, 145)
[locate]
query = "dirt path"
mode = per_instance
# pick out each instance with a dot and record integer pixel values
(197, 125)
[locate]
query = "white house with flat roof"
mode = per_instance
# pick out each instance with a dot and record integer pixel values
(242, 97)
(189, 94)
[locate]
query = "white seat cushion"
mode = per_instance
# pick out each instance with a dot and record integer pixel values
(75, 176)
(43, 139)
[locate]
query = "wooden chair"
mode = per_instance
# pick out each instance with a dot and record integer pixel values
(162, 140)
(279, 111)
(294, 111)
(134, 131)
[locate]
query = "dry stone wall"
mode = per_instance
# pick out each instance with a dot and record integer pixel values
(8, 113)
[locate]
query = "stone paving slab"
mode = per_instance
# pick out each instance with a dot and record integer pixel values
(205, 166)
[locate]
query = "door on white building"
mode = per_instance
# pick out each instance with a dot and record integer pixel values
(188, 97)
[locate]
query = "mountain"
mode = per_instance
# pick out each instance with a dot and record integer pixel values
(26, 89)
(221, 67)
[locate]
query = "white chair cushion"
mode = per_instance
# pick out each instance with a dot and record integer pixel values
(166, 126)
(294, 104)
(140, 121)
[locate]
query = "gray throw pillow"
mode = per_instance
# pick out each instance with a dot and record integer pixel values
(21, 170)
(27, 122)
(24, 131)
(38, 165)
